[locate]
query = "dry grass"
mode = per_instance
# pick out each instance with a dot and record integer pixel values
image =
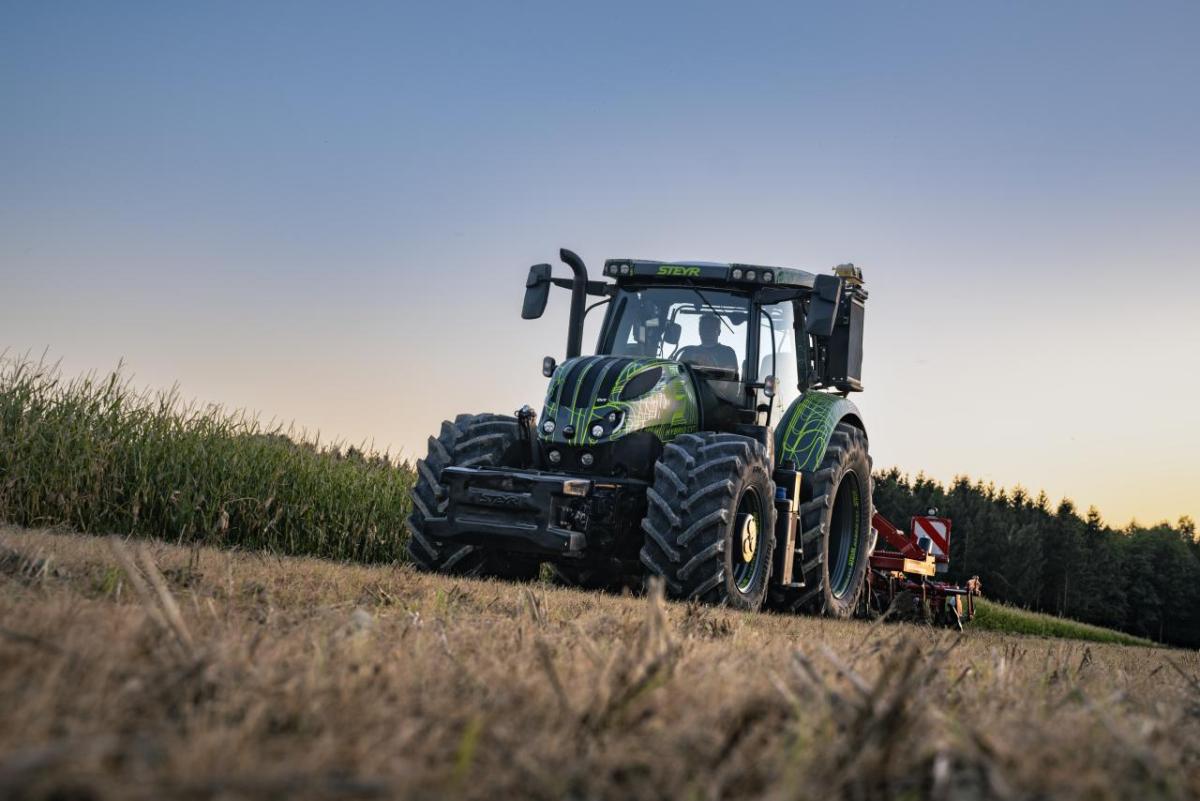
(151, 671)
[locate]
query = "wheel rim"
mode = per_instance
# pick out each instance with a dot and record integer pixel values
(844, 534)
(748, 556)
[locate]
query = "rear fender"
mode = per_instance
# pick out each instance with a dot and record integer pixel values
(803, 434)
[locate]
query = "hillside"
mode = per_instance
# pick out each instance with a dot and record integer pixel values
(215, 674)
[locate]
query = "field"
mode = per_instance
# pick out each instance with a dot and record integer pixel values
(996, 617)
(138, 669)
(94, 454)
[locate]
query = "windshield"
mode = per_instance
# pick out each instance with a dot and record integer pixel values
(702, 327)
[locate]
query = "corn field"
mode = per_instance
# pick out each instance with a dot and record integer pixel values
(94, 454)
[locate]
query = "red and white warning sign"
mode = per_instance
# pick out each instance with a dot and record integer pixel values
(937, 531)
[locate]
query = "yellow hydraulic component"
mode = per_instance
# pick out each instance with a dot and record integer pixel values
(926, 568)
(849, 273)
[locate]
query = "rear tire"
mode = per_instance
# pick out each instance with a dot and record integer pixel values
(710, 522)
(835, 529)
(472, 440)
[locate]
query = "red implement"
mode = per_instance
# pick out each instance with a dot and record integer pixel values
(900, 579)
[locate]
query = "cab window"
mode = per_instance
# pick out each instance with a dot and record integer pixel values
(706, 328)
(777, 355)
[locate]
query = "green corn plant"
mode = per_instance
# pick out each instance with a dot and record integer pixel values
(95, 454)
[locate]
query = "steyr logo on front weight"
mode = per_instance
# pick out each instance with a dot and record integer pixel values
(496, 499)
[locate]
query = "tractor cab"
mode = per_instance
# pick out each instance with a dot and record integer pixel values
(740, 350)
(752, 337)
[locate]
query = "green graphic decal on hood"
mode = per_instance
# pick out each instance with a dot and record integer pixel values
(620, 395)
(804, 433)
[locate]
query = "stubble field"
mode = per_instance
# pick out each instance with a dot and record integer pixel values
(141, 670)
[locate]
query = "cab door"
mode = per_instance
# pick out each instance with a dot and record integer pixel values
(777, 355)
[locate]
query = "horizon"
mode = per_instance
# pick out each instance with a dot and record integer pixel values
(327, 217)
(302, 434)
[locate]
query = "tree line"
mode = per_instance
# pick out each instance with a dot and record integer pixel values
(1137, 579)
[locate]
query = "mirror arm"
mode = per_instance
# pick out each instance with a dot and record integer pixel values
(598, 288)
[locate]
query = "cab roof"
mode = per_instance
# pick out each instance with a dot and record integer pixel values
(709, 272)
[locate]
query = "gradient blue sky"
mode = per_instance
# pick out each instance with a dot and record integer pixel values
(324, 212)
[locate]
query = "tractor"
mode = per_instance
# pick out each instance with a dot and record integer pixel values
(709, 442)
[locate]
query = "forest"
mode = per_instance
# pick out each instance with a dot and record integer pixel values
(1144, 580)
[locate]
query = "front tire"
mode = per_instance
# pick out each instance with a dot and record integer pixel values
(710, 522)
(472, 440)
(835, 528)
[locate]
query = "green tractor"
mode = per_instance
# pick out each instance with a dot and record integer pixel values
(709, 442)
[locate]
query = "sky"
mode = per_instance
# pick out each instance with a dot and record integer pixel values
(324, 213)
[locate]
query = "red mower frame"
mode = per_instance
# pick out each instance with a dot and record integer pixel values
(900, 578)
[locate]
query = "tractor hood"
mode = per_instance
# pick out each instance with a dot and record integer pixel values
(622, 396)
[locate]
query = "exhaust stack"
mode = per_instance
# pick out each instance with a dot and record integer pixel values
(578, 301)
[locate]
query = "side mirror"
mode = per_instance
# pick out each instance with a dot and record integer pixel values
(537, 291)
(671, 335)
(823, 308)
(549, 366)
(769, 386)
